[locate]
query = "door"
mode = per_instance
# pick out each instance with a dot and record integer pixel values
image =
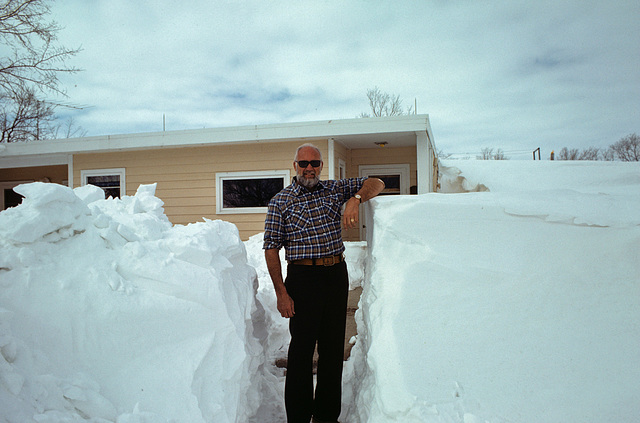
(396, 178)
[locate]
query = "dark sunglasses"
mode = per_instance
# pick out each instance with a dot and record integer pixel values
(304, 163)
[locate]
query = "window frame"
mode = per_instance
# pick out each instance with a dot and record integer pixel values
(85, 173)
(342, 169)
(402, 170)
(285, 175)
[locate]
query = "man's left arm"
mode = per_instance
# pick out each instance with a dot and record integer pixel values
(370, 188)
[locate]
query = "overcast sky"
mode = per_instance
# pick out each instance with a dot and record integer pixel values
(514, 75)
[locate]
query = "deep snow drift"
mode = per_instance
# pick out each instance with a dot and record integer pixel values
(520, 304)
(108, 312)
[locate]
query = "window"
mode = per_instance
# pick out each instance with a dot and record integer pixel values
(8, 197)
(395, 177)
(391, 184)
(248, 192)
(110, 180)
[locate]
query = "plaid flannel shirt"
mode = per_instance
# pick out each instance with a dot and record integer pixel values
(308, 223)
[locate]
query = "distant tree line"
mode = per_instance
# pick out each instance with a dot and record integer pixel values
(627, 149)
(490, 154)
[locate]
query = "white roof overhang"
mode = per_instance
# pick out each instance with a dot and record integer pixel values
(396, 131)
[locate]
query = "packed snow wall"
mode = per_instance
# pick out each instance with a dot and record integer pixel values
(516, 306)
(110, 313)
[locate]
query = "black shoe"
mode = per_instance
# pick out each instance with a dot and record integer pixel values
(317, 420)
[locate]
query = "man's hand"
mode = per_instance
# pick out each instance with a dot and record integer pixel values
(351, 214)
(370, 188)
(285, 304)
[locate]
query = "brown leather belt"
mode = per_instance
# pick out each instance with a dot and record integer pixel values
(324, 261)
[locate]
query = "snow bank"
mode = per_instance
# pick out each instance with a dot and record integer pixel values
(520, 304)
(519, 175)
(110, 313)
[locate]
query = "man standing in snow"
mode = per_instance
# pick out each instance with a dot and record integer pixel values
(305, 219)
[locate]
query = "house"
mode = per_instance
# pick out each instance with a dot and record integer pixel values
(228, 173)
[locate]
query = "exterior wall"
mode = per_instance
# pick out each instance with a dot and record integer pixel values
(186, 177)
(341, 153)
(57, 174)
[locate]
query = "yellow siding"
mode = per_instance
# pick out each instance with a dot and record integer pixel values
(186, 177)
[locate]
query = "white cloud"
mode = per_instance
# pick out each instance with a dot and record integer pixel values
(512, 75)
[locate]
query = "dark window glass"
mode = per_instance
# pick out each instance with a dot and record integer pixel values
(11, 198)
(391, 183)
(256, 192)
(109, 183)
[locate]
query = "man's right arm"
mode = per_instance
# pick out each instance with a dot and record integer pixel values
(285, 303)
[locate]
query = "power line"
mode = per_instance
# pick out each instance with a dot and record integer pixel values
(502, 151)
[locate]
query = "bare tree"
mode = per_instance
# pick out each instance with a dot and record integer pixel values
(499, 155)
(68, 129)
(29, 70)
(608, 155)
(488, 154)
(24, 118)
(628, 148)
(35, 59)
(591, 153)
(566, 154)
(385, 104)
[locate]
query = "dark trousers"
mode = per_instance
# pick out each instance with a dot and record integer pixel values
(319, 296)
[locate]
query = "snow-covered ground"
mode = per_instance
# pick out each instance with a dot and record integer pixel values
(517, 304)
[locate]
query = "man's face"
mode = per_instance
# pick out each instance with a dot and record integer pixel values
(308, 176)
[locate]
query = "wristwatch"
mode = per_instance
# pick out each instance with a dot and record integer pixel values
(359, 197)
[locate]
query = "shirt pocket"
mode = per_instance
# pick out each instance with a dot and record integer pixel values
(332, 207)
(298, 218)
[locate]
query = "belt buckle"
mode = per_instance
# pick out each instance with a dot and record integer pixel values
(328, 261)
